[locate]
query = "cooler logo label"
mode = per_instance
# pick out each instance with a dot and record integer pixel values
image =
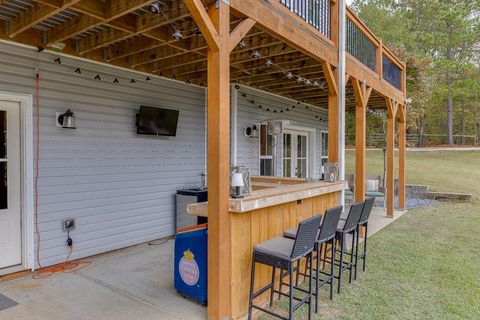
(188, 268)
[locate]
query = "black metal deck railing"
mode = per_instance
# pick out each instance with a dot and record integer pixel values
(391, 72)
(314, 12)
(360, 46)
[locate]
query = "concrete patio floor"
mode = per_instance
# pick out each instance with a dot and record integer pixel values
(132, 283)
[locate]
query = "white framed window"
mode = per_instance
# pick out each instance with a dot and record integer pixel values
(266, 151)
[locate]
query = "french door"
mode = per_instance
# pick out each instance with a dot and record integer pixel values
(296, 154)
(10, 213)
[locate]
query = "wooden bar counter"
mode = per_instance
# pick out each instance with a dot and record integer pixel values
(275, 205)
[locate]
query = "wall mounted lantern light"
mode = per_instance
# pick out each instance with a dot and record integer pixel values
(67, 120)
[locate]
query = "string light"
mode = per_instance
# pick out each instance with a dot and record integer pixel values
(288, 74)
(268, 62)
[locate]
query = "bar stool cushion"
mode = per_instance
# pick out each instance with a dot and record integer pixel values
(290, 233)
(278, 247)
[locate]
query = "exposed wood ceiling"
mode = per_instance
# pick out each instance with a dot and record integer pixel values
(126, 33)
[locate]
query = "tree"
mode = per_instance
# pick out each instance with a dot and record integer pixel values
(439, 40)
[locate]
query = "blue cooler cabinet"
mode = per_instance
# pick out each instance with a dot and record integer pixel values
(190, 278)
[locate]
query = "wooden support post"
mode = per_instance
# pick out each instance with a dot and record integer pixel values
(402, 142)
(362, 94)
(218, 92)
(333, 130)
(360, 151)
(390, 180)
(333, 113)
(215, 27)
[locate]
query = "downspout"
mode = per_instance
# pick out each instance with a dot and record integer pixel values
(234, 126)
(341, 92)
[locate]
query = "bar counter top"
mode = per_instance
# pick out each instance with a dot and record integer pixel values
(272, 191)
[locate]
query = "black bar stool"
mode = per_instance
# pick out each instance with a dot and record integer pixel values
(363, 222)
(347, 226)
(282, 253)
(326, 236)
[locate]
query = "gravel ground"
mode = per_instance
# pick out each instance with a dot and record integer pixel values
(416, 203)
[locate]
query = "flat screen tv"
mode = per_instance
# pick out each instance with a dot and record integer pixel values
(157, 121)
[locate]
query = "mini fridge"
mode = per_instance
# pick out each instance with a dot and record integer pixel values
(183, 198)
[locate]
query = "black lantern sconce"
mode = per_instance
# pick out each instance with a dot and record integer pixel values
(66, 120)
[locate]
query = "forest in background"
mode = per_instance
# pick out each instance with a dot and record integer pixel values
(440, 42)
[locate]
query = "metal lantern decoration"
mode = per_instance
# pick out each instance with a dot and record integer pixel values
(331, 172)
(237, 183)
(67, 120)
(240, 182)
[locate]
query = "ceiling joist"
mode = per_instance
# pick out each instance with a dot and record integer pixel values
(36, 14)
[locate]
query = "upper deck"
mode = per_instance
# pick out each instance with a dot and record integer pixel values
(297, 36)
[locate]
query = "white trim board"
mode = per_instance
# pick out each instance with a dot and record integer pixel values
(26, 127)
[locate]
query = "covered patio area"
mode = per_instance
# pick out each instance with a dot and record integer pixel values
(290, 68)
(131, 283)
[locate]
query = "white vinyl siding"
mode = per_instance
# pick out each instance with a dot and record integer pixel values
(119, 186)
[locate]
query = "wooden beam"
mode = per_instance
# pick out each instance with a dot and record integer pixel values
(402, 158)
(357, 88)
(218, 104)
(331, 78)
(143, 24)
(358, 70)
(160, 53)
(71, 28)
(34, 15)
(236, 59)
(101, 39)
(240, 32)
(390, 179)
(116, 9)
(203, 21)
(272, 17)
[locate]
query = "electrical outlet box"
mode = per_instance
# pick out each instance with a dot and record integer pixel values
(68, 224)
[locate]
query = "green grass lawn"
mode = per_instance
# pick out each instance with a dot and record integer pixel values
(425, 265)
(455, 171)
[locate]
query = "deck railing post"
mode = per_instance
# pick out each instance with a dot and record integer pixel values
(380, 60)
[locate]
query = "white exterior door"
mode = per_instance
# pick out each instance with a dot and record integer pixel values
(10, 212)
(296, 154)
